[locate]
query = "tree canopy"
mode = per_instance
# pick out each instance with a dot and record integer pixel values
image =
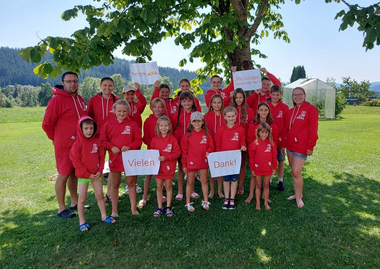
(298, 72)
(219, 32)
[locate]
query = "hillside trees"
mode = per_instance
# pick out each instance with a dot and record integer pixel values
(352, 88)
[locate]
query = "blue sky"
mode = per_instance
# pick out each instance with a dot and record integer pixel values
(316, 42)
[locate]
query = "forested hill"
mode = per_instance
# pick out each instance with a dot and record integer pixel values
(14, 70)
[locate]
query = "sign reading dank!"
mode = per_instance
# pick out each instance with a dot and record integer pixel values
(224, 163)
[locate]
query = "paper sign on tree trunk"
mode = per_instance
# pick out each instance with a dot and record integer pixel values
(144, 73)
(141, 162)
(224, 163)
(248, 80)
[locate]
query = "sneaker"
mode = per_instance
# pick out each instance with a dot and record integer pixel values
(226, 204)
(66, 214)
(232, 204)
(280, 186)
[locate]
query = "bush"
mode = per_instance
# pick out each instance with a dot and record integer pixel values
(373, 102)
(340, 103)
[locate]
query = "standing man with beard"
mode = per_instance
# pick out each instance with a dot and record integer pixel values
(60, 120)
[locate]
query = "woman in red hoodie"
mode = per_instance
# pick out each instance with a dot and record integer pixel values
(301, 135)
(195, 146)
(87, 155)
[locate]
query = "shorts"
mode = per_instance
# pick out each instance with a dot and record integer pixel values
(297, 155)
(63, 162)
(280, 158)
(232, 178)
(87, 180)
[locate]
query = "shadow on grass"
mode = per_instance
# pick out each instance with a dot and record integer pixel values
(338, 227)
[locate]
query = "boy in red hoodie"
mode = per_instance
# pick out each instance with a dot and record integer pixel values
(279, 110)
(87, 155)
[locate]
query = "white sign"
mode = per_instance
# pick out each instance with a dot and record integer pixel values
(248, 80)
(224, 163)
(141, 162)
(144, 73)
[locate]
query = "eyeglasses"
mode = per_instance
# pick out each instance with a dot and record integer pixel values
(298, 94)
(71, 81)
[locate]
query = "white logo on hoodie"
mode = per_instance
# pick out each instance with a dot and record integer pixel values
(94, 148)
(127, 130)
(302, 115)
(236, 137)
(168, 148)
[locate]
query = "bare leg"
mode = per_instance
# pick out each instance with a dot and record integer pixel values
(60, 191)
(189, 185)
(258, 191)
(83, 188)
(203, 177)
(266, 191)
(181, 176)
(252, 187)
(116, 177)
(148, 179)
(131, 182)
(212, 187)
(281, 167)
(220, 184)
(169, 192)
(72, 184)
(109, 185)
(98, 189)
(296, 166)
(159, 191)
(243, 171)
(226, 186)
(233, 189)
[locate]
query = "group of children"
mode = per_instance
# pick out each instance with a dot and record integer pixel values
(182, 134)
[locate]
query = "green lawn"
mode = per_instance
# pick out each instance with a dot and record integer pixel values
(339, 227)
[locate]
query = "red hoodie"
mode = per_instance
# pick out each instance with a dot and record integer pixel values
(137, 108)
(279, 112)
(262, 157)
(252, 132)
(213, 122)
(255, 99)
(100, 109)
(87, 154)
(184, 120)
(196, 101)
(250, 115)
(171, 106)
(149, 129)
(230, 138)
(168, 147)
(61, 117)
(119, 134)
(301, 128)
(194, 147)
(225, 93)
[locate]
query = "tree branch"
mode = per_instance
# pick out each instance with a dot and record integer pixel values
(257, 21)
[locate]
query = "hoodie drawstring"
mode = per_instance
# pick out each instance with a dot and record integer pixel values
(76, 107)
(293, 120)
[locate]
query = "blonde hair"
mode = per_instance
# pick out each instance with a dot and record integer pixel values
(158, 100)
(121, 102)
(160, 119)
(266, 128)
(229, 109)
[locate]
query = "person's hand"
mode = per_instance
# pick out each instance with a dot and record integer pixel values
(137, 86)
(93, 177)
(98, 174)
(283, 151)
(234, 69)
(258, 91)
(125, 148)
(207, 153)
(184, 169)
(156, 84)
(264, 70)
(232, 94)
(161, 158)
(309, 152)
(253, 173)
(115, 150)
(243, 148)
(273, 172)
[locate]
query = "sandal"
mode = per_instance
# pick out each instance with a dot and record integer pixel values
(189, 207)
(109, 220)
(240, 191)
(142, 203)
(169, 213)
(195, 195)
(206, 205)
(226, 204)
(138, 189)
(158, 212)
(84, 226)
(232, 204)
(179, 196)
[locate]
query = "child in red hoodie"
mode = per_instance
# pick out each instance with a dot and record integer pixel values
(167, 144)
(245, 115)
(279, 111)
(263, 161)
(214, 120)
(163, 91)
(185, 86)
(230, 137)
(118, 135)
(157, 106)
(195, 146)
(87, 155)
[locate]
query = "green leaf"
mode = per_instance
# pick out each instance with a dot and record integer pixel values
(35, 55)
(25, 53)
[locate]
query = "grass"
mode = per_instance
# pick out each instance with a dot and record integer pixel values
(337, 228)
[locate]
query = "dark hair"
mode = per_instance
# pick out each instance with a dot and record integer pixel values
(212, 98)
(269, 118)
(68, 73)
(164, 86)
(215, 76)
(264, 127)
(275, 88)
(106, 78)
(265, 78)
(243, 116)
(89, 121)
(184, 80)
(190, 128)
(185, 95)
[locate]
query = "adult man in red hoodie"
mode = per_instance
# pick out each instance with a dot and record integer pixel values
(60, 120)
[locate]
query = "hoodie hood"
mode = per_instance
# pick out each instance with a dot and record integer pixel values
(80, 134)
